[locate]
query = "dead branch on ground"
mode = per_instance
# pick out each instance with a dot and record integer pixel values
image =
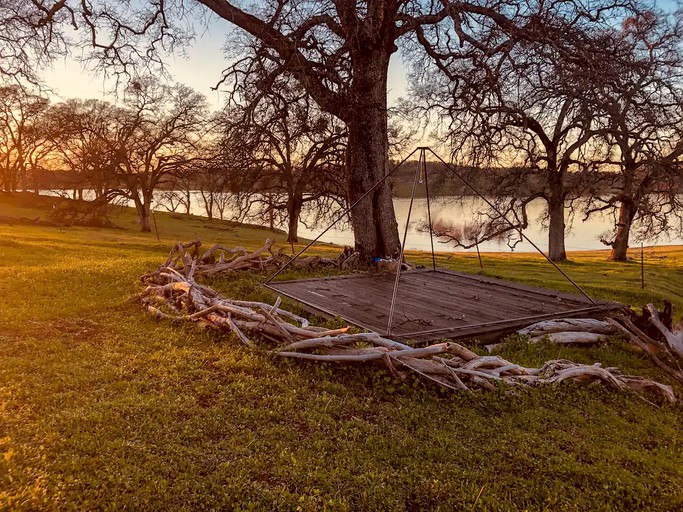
(220, 259)
(580, 331)
(172, 293)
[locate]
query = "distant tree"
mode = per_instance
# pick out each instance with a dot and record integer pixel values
(292, 158)
(181, 186)
(158, 136)
(21, 135)
(643, 114)
(84, 132)
(216, 196)
(532, 113)
(470, 234)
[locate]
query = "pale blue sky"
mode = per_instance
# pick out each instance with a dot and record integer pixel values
(200, 69)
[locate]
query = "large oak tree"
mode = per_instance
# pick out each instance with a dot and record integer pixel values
(292, 158)
(642, 108)
(338, 50)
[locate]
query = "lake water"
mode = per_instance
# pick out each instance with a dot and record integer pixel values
(458, 210)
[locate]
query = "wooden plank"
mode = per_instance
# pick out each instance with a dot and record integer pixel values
(512, 324)
(503, 292)
(513, 301)
(464, 303)
(493, 331)
(519, 286)
(421, 308)
(429, 303)
(424, 307)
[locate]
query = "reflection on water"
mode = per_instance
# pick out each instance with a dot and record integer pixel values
(581, 235)
(457, 210)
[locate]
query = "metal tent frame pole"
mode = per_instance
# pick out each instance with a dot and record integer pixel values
(429, 210)
(450, 167)
(421, 167)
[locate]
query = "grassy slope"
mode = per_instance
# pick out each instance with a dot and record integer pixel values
(104, 407)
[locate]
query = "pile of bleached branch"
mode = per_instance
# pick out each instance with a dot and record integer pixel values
(666, 353)
(221, 260)
(173, 293)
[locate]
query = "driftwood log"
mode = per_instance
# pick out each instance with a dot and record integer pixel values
(666, 354)
(674, 340)
(570, 331)
(173, 293)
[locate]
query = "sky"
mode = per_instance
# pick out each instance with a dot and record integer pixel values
(200, 69)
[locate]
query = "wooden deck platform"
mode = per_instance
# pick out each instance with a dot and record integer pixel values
(435, 304)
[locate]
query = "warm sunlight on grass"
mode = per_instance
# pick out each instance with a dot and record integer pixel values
(103, 407)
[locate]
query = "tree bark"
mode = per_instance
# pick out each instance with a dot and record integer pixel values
(145, 225)
(188, 199)
(143, 207)
(294, 206)
(556, 229)
(373, 219)
(23, 174)
(627, 212)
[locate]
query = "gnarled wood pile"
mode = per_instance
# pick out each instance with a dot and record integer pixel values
(576, 331)
(221, 260)
(173, 293)
(666, 353)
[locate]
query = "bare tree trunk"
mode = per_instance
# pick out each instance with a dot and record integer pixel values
(188, 200)
(33, 180)
(293, 213)
(556, 228)
(102, 209)
(208, 204)
(373, 219)
(23, 178)
(627, 212)
(143, 207)
(145, 225)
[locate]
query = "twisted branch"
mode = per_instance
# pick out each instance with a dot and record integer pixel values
(172, 293)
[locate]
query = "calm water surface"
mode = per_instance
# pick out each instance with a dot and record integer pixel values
(457, 210)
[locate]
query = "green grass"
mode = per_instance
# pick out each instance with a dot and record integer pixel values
(103, 407)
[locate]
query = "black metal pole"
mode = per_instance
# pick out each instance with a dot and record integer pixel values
(429, 209)
(403, 247)
(156, 228)
(476, 244)
(493, 207)
(341, 216)
(642, 266)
